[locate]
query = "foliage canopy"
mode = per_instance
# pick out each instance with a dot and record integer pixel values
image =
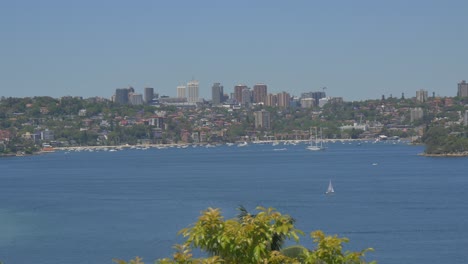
(249, 239)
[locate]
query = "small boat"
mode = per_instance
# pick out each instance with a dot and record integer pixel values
(243, 144)
(330, 188)
(280, 149)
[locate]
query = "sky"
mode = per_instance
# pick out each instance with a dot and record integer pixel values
(356, 49)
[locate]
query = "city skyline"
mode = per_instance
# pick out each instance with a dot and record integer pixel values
(359, 50)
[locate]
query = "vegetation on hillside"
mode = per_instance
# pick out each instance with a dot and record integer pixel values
(97, 121)
(440, 140)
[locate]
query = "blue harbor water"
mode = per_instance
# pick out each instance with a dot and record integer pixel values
(90, 207)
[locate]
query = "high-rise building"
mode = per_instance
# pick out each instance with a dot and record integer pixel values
(149, 94)
(272, 100)
(262, 119)
(181, 91)
(238, 92)
(284, 99)
(246, 96)
(121, 95)
(192, 91)
(462, 89)
(259, 93)
(421, 96)
(217, 94)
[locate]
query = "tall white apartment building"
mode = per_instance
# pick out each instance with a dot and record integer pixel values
(192, 91)
(181, 91)
(421, 96)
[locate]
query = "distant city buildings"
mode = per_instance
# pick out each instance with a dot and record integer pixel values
(246, 97)
(242, 95)
(192, 91)
(317, 96)
(121, 95)
(128, 96)
(149, 95)
(238, 92)
(188, 95)
(260, 93)
(181, 91)
(262, 120)
(217, 94)
(136, 99)
(323, 101)
(307, 102)
(284, 99)
(272, 100)
(421, 96)
(462, 89)
(314, 95)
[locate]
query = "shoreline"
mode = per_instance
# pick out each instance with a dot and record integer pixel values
(184, 145)
(445, 155)
(127, 146)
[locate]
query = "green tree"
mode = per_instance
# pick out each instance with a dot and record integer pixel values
(248, 239)
(277, 240)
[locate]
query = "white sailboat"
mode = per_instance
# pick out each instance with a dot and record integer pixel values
(314, 145)
(330, 188)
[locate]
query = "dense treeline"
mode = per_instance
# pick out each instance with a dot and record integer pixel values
(441, 140)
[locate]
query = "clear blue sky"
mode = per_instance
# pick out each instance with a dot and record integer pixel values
(357, 49)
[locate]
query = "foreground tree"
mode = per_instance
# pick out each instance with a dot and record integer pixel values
(251, 239)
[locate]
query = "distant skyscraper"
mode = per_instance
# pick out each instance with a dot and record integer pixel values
(272, 100)
(462, 89)
(284, 99)
(149, 94)
(238, 92)
(217, 94)
(246, 96)
(421, 96)
(192, 91)
(262, 119)
(259, 93)
(121, 95)
(181, 91)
